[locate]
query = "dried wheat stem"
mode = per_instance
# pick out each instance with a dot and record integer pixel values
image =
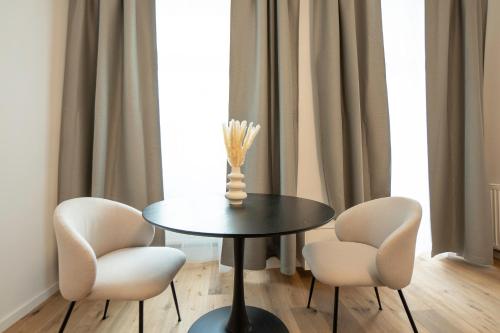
(238, 138)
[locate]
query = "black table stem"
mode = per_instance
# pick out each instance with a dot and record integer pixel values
(238, 321)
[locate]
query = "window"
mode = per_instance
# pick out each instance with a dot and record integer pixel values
(404, 42)
(193, 70)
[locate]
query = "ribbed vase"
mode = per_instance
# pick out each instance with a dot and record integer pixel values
(236, 187)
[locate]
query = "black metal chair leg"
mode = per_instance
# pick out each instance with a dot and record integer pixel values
(105, 310)
(378, 299)
(311, 292)
(407, 309)
(141, 316)
(335, 310)
(66, 318)
(175, 301)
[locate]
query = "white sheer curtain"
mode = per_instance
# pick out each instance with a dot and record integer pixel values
(404, 43)
(193, 69)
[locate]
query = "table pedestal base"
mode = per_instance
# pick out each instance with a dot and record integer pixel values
(260, 321)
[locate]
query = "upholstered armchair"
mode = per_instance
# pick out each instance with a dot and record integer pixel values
(376, 248)
(104, 255)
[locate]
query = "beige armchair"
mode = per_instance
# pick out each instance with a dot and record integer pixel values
(104, 255)
(376, 248)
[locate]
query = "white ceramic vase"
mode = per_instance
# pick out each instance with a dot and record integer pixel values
(236, 187)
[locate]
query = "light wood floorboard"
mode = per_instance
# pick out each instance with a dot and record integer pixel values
(446, 295)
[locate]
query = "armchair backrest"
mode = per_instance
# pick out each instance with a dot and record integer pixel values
(391, 225)
(87, 228)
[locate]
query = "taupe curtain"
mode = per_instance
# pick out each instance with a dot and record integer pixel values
(264, 89)
(350, 100)
(350, 104)
(110, 135)
(460, 215)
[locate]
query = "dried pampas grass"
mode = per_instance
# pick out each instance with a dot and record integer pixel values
(238, 138)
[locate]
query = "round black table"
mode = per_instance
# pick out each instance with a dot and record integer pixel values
(261, 215)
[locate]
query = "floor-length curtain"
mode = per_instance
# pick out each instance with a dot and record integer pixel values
(460, 215)
(264, 89)
(491, 97)
(350, 100)
(349, 103)
(110, 134)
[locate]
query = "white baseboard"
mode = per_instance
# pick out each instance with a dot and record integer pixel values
(27, 307)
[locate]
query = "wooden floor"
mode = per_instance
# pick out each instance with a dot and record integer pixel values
(446, 295)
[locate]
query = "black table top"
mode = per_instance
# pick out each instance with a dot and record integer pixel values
(261, 215)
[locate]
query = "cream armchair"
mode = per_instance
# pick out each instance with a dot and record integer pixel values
(376, 247)
(104, 255)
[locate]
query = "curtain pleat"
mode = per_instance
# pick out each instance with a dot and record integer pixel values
(350, 100)
(110, 135)
(264, 89)
(460, 214)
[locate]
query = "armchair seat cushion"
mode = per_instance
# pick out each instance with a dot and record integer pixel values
(135, 273)
(342, 263)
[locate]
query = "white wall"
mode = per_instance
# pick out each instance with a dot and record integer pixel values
(32, 43)
(491, 91)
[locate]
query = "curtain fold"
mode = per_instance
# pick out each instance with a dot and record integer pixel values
(110, 135)
(460, 214)
(349, 104)
(264, 89)
(350, 100)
